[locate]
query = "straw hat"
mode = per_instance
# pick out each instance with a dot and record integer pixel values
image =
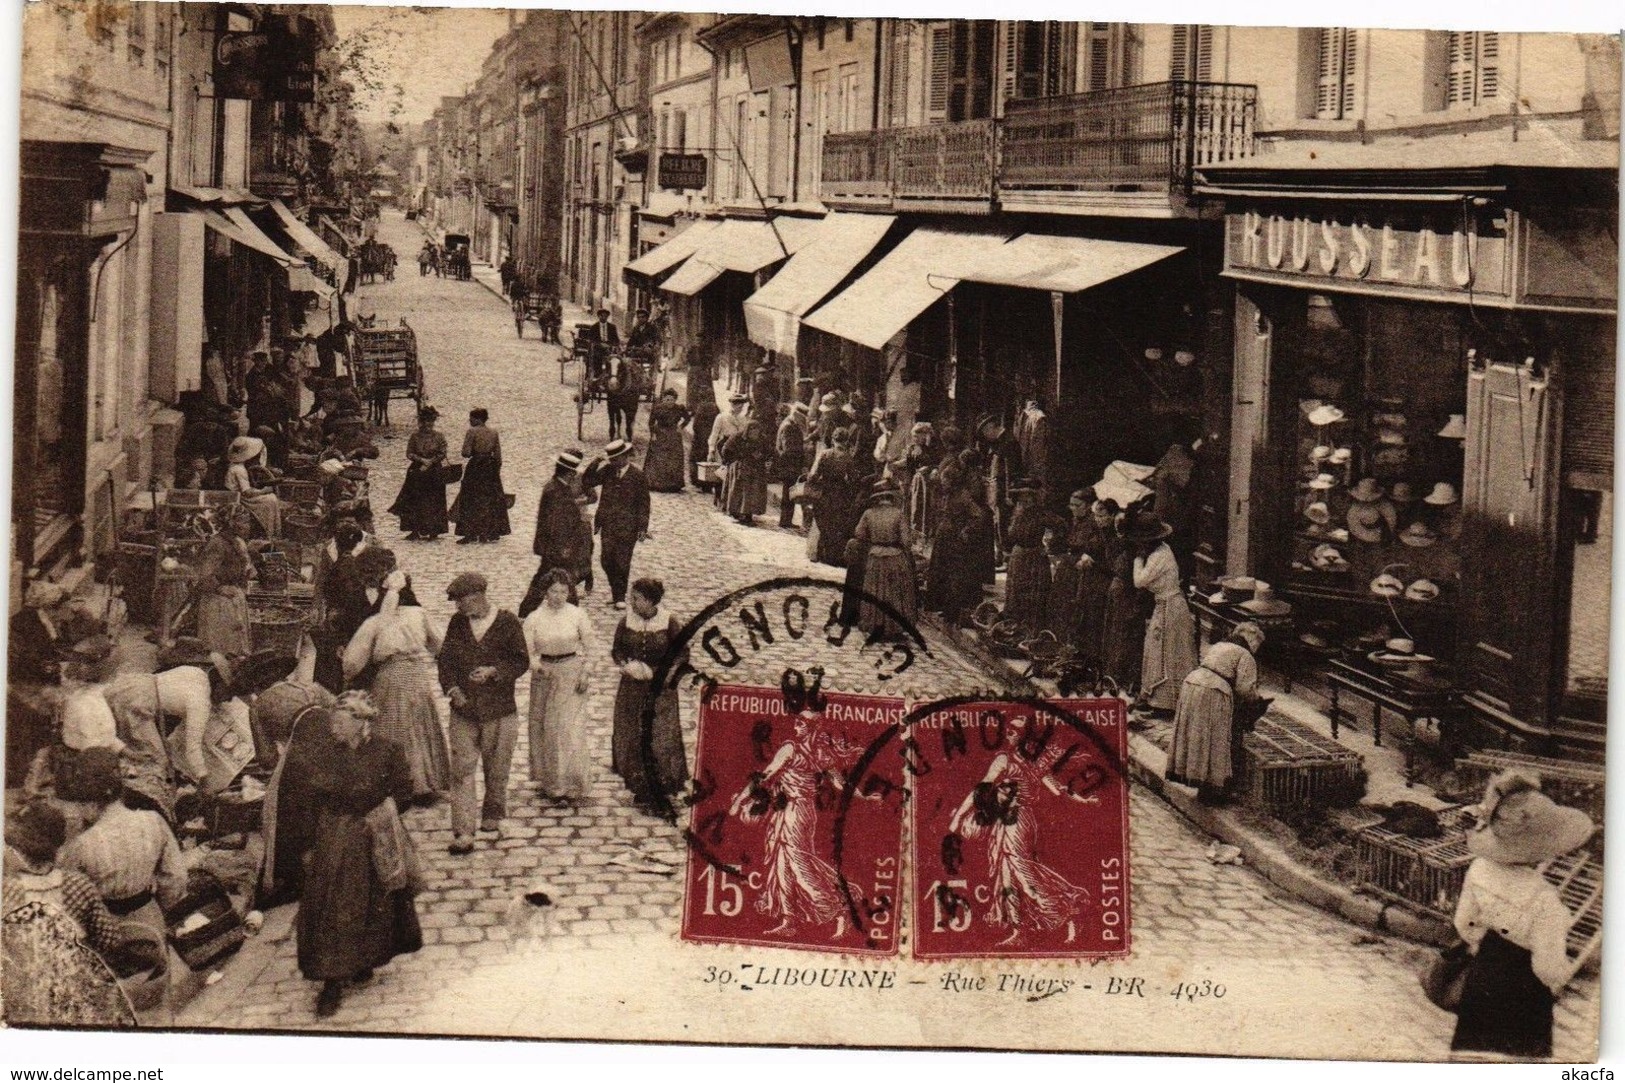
(1423, 590)
(1442, 496)
(616, 448)
(1522, 826)
(1143, 527)
(1387, 585)
(1403, 493)
(1367, 491)
(1341, 456)
(1264, 603)
(1419, 535)
(1321, 453)
(1327, 558)
(245, 449)
(1323, 482)
(1318, 513)
(1326, 414)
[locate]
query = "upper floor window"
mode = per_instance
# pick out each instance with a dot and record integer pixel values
(135, 34)
(1191, 55)
(1473, 68)
(1334, 73)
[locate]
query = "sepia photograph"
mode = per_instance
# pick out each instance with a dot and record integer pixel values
(756, 530)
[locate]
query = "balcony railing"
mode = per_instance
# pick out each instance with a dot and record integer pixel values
(1144, 135)
(1150, 137)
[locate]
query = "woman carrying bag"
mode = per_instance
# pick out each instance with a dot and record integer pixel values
(1513, 921)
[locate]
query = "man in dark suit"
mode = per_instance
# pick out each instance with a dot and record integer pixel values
(482, 656)
(559, 538)
(623, 514)
(605, 338)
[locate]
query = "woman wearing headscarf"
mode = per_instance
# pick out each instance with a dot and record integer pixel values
(421, 504)
(350, 919)
(398, 644)
(224, 568)
(1207, 733)
(888, 566)
(1170, 632)
(482, 503)
(562, 648)
(647, 741)
(663, 463)
(1513, 920)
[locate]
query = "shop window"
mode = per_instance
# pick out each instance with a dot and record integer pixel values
(1334, 73)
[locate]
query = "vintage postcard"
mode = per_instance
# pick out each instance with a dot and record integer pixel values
(807, 530)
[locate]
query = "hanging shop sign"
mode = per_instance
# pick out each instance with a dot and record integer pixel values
(274, 62)
(682, 171)
(1451, 257)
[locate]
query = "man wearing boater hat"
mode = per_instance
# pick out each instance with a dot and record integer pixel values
(623, 513)
(559, 539)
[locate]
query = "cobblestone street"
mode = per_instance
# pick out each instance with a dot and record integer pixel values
(491, 966)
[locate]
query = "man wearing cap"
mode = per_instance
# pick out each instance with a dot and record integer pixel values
(790, 458)
(482, 656)
(558, 529)
(644, 336)
(623, 514)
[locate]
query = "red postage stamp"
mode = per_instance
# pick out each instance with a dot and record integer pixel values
(1020, 842)
(780, 852)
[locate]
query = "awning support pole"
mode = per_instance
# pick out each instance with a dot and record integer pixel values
(1057, 302)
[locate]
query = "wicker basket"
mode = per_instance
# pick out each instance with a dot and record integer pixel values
(1579, 785)
(299, 492)
(303, 525)
(276, 627)
(1424, 874)
(1288, 765)
(709, 472)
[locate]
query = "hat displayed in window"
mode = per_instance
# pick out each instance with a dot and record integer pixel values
(1443, 495)
(1423, 590)
(1325, 414)
(1387, 585)
(1318, 513)
(1341, 456)
(1403, 493)
(1320, 454)
(1367, 491)
(1328, 559)
(1419, 535)
(1264, 603)
(1323, 481)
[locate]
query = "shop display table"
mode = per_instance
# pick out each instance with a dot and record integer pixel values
(1214, 621)
(1410, 692)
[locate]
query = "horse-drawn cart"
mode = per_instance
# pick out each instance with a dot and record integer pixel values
(457, 256)
(543, 308)
(602, 372)
(385, 362)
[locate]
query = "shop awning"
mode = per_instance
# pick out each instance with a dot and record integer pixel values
(309, 240)
(658, 260)
(226, 227)
(744, 245)
(255, 237)
(1039, 261)
(914, 275)
(773, 313)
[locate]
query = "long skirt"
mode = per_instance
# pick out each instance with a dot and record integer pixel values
(835, 524)
(1202, 753)
(1170, 651)
(856, 557)
(267, 511)
(559, 762)
(1061, 610)
(1504, 1007)
(747, 489)
(482, 504)
(1122, 643)
(1088, 630)
(404, 692)
(1027, 588)
(421, 504)
(663, 769)
(663, 465)
(889, 576)
(222, 621)
(347, 922)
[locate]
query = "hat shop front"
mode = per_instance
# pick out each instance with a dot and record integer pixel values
(1418, 486)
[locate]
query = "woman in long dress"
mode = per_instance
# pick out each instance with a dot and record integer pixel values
(562, 646)
(1170, 633)
(1206, 737)
(293, 716)
(1003, 809)
(221, 589)
(1514, 921)
(261, 503)
(834, 477)
(349, 920)
(746, 456)
(964, 531)
(421, 504)
(400, 644)
(799, 886)
(482, 503)
(663, 464)
(1122, 635)
(888, 567)
(1027, 589)
(652, 764)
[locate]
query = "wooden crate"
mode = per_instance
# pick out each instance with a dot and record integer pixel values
(295, 491)
(1568, 782)
(1578, 879)
(1287, 765)
(1423, 874)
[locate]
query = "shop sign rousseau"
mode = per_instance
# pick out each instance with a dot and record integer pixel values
(1368, 255)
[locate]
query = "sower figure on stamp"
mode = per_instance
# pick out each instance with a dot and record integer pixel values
(482, 656)
(623, 514)
(559, 538)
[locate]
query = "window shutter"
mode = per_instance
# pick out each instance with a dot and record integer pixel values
(1099, 57)
(1204, 54)
(1010, 59)
(1191, 56)
(940, 49)
(1473, 73)
(1179, 53)
(1334, 84)
(1489, 65)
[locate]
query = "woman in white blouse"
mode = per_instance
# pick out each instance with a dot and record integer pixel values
(262, 503)
(561, 643)
(1514, 920)
(1170, 634)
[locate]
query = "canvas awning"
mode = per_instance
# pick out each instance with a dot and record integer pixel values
(664, 258)
(914, 275)
(773, 313)
(309, 239)
(1039, 261)
(744, 245)
(251, 238)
